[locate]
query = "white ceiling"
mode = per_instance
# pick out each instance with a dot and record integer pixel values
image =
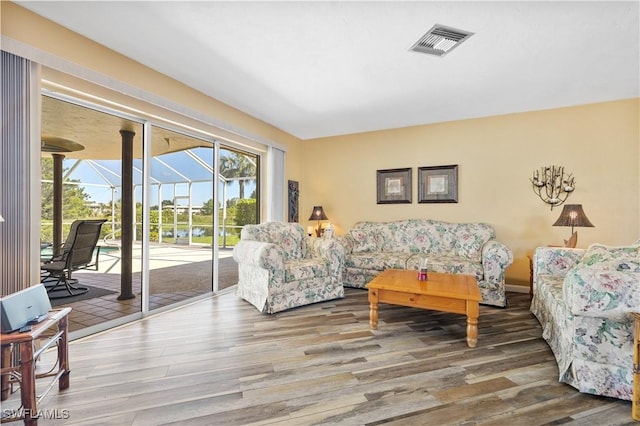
(326, 68)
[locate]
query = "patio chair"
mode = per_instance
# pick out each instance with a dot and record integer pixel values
(77, 253)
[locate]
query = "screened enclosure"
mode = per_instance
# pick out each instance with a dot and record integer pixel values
(174, 205)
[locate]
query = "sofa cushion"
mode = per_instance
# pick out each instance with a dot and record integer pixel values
(469, 239)
(358, 277)
(364, 240)
(455, 265)
(449, 265)
(611, 258)
(392, 236)
(378, 261)
(606, 278)
(291, 237)
(592, 292)
(303, 269)
(429, 237)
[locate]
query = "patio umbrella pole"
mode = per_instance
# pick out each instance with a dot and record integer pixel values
(126, 215)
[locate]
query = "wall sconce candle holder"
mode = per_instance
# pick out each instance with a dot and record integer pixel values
(552, 185)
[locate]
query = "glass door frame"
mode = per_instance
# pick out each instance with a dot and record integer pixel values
(204, 136)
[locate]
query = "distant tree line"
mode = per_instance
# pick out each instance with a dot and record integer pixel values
(76, 203)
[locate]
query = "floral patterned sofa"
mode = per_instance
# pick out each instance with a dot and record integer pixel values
(582, 299)
(280, 267)
(461, 248)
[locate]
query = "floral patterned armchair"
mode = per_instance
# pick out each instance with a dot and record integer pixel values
(280, 267)
(583, 300)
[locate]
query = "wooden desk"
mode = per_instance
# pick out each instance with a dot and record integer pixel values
(635, 407)
(18, 362)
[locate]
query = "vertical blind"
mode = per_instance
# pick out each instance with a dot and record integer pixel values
(16, 169)
(276, 190)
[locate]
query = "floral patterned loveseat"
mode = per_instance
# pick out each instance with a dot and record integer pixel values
(582, 299)
(280, 267)
(460, 248)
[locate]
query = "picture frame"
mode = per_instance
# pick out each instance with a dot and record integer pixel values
(438, 184)
(293, 194)
(394, 186)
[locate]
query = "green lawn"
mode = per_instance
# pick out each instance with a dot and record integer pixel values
(232, 240)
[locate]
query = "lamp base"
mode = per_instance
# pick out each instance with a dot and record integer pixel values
(572, 241)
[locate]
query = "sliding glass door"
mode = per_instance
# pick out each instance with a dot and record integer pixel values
(239, 201)
(83, 172)
(173, 202)
(181, 193)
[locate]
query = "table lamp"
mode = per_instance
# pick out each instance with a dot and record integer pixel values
(318, 214)
(572, 215)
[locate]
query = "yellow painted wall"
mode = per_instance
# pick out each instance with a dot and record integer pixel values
(598, 143)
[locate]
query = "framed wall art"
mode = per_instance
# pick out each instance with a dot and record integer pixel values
(293, 193)
(438, 184)
(393, 186)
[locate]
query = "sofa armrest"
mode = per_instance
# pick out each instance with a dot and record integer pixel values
(259, 254)
(495, 258)
(495, 251)
(601, 293)
(330, 250)
(347, 242)
(555, 261)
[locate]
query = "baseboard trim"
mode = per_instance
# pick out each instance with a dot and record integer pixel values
(517, 288)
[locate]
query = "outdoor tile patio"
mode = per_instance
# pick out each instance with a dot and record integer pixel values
(165, 290)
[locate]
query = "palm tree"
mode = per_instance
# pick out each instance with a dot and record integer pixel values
(240, 167)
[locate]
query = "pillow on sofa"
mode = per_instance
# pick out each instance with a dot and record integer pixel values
(365, 241)
(612, 258)
(469, 239)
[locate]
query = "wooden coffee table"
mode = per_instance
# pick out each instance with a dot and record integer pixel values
(458, 294)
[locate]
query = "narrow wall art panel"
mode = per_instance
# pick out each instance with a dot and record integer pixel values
(293, 201)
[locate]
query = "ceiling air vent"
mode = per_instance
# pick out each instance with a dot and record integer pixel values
(440, 40)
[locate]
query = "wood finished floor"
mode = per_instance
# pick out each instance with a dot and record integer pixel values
(220, 362)
(91, 312)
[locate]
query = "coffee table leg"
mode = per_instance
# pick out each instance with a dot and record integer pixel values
(473, 312)
(373, 309)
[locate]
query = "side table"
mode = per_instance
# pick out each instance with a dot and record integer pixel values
(18, 362)
(530, 256)
(635, 404)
